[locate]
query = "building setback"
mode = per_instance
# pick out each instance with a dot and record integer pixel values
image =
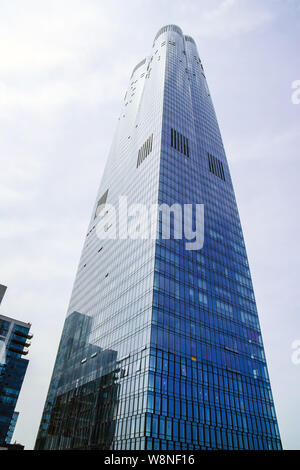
(162, 347)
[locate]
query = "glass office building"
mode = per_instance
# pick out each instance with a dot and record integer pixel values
(161, 347)
(14, 343)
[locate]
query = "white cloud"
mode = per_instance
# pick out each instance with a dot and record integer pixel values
(219, 11)
(52, 34)
(232, 17)
(282, 145)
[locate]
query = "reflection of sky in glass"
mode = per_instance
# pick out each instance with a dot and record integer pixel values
(2, 351)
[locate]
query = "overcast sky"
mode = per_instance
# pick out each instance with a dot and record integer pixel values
(64, 69)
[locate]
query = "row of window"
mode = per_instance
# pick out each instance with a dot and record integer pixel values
(163, 444)
(185, 435)
(216, 166)
(145, 150)
(179, 142)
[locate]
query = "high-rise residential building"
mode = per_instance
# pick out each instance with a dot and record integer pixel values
(162, 347)
(14, 343)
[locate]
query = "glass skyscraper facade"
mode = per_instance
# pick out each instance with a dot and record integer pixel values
(14, 343)
(161, 348)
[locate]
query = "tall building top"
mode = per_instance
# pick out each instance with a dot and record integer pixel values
(169, 27)
(176, 29)
(189, 39)
(165, 29)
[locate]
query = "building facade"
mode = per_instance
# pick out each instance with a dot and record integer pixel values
(162, 347)
(14, 343)
(11, 428)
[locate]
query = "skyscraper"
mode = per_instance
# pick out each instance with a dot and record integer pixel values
(14, 336)
(161, 347)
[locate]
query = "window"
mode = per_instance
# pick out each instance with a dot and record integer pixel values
(183, 370)
(216, 166)
(145, 150)
(124, 372)
(101, 203)
(180, 143)
(138, 365)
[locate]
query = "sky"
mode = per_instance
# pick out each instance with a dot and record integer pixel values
(64, 69)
